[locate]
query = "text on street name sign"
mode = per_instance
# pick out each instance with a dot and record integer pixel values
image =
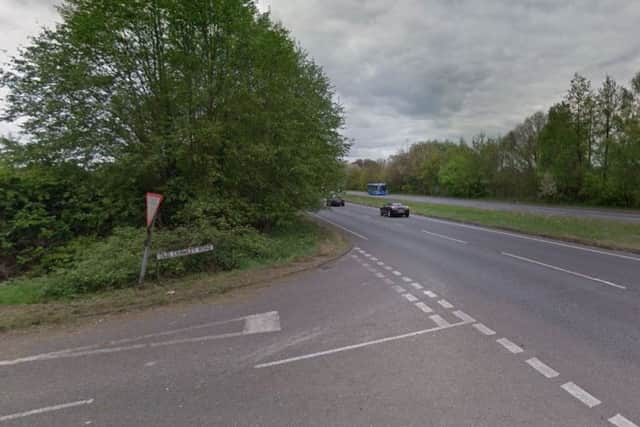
(184, 252)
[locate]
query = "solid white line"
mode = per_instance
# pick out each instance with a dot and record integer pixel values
(463, 316)
(424, 307)
(339, 226)
(416, 285)
(513, 348)
(438, 320)
(46, 409)
(410, 297)
(581, 394)
(442, 236)
(444, 303)
(483, 329)
(430, 294)
(398, 289)
(355, 346)
(553, 267)
(620, 421)
(519, 236)
(543, 368)
(407, 279)
(397, 273)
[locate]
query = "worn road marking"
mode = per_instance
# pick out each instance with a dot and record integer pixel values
(416, 285)
(374, 258)
(410, 297)
(444, 303)
(380, 263)
(430, 294)
(339, 226)
(389, 281)
(355, 346)
(439, 320)
(45, 409)
(581, 394)
(483, 329)
(380, 275)
(407, 279)
(398, 289)
(365, 265)
(397, 273)
(543, 368)
(553, 267)
(424, 307)
(512, 347)
(463, 316)
(388, 267)
(442, 236)
(620, 421)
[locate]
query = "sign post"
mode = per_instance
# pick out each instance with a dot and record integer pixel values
(153, 205)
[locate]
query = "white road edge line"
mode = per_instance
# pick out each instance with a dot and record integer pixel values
(574, 273)
(442, 236)
(483, 329)
(542, 368)
(410, 298)
(424, 307)
(355, 346)
(620, 421)
(512, 347)
(45, 409)
(581, 394)
(339, 226)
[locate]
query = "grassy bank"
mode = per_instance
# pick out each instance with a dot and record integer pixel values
(301, 246)
(606, 234)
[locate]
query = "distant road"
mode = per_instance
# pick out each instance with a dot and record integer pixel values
(595, 213)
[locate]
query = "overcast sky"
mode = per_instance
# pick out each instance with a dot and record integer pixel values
(411, 70)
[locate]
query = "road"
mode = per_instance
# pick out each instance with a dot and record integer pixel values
(595, 213)
(423, 323)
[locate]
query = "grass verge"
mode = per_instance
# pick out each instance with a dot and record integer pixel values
(606, 234)
(292, 251)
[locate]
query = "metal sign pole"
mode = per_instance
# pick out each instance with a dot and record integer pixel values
(145, 256)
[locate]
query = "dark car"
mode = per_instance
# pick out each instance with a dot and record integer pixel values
(394, 209)
(335, 201)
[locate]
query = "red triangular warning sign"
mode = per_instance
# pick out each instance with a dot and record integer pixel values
(153, 204)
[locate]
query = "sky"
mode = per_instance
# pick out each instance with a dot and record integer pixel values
(412, 70)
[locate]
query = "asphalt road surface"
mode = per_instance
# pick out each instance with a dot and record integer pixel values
(595, 213)
(423, 323)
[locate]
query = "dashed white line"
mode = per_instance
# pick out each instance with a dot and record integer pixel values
(581, 394)
(340, 226)
(374, 258)
(380, 263)
(410, 298)
(389, 281)
(463, 316)
(424, 307)
(446, 304)
(512, 347)
(430, 294)
(574, 273)
(543, 368)
(438, 320)
(407, 279)
(397, 273)
(620, 421)
(484, 329)
(355, 256)
(416, 285)
(388, 267)
(380, 275)
(365, 265)
(45, 409)
(442, 236)
(398, 289)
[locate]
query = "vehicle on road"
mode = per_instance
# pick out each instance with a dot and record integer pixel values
(335, 200)
(377, 189)
(394, 209)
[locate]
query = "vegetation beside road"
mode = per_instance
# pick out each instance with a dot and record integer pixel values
(607, 234)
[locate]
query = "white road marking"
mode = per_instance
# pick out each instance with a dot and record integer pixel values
(357, 248)
(398, 289)
(620, 421)
(380, 263)
(355, 346)
(388, 267)
(581, 394)
(380, 275)
(543, 368)
(407, 279)
(45, 409)
(520, 236)
(253, 324)
(424, 307)
(463, 316)
(438, 320)
(444, 303)
(512, 347)
(389, 281)
(430, 294)
(397, 273)
(374, 258)
(355, 256)
(416, 285)
(150, 364)
(339, 226)
(369, 256)
(483, 329)
(442, 236)
(410, 298)
(553, 267)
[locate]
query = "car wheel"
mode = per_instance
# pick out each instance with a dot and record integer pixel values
(407, 214)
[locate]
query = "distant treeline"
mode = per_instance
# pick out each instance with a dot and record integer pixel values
(584, 149)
